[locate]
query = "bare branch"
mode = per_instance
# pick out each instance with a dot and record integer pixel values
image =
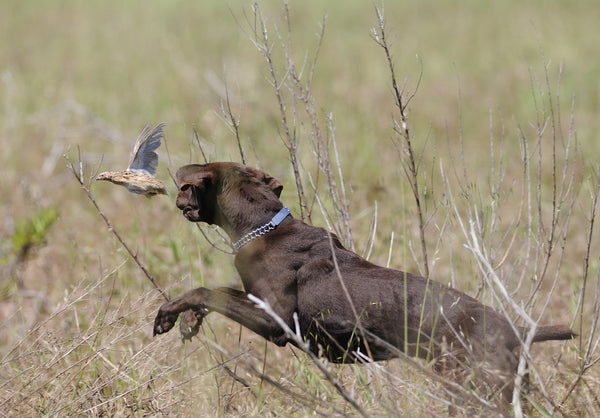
(77, 171)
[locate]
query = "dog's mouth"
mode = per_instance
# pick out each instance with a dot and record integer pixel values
(191, 214)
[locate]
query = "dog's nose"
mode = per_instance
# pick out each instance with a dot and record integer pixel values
(180, 202)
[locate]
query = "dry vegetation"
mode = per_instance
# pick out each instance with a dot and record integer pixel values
(477, 165)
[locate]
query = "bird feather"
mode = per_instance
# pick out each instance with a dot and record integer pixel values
(143, 158)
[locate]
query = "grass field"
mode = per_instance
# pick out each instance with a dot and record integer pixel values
(502, 112)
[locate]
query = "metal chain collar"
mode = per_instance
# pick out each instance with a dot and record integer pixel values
(262, 230)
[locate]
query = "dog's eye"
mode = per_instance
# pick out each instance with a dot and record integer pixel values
(184, 187)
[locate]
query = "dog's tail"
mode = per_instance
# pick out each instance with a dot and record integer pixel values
(553, 332)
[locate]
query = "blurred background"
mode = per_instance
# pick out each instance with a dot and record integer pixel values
(80, 80)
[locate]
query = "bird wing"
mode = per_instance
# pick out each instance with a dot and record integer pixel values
(143, 156)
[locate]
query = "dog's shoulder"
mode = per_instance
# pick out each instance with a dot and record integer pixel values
(303, 238)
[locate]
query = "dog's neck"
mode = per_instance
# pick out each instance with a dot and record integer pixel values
(240, 220)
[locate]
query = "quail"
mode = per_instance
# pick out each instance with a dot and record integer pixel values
(138, 177)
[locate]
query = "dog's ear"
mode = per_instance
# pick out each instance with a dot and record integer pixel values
(273, 183)
(267, 179)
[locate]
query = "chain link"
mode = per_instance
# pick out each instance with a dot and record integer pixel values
(258, 232)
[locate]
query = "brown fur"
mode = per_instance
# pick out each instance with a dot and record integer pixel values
(292, 268)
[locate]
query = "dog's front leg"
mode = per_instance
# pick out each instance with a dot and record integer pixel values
(190, 320)
(229, 302)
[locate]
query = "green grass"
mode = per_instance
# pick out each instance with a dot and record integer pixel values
(75, 316)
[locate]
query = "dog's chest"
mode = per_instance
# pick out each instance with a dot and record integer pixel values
(266, 275)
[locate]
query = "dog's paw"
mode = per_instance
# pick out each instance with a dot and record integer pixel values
(165, 320)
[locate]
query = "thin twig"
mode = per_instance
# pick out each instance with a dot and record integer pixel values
(379, 35)
(232, 120)
(297, 338)
(78, 174)
(261, 42)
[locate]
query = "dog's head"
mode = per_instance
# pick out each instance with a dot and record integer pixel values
(216, 193)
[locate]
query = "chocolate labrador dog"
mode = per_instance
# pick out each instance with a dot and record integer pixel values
(345, 304)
